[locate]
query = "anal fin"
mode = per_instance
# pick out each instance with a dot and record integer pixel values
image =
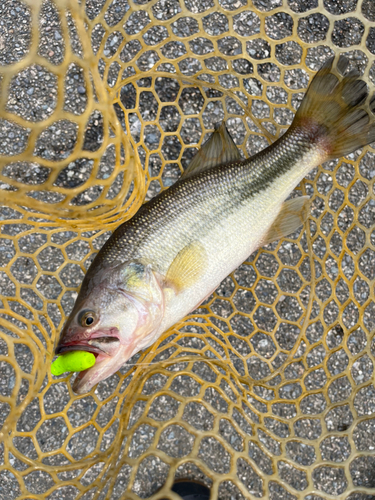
(292, 215)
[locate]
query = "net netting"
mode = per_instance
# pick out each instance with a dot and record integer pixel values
(266, 391)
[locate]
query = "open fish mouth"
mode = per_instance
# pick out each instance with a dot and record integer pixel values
(98, 346)
(106, 363)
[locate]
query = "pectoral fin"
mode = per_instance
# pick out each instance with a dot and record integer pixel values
(292, 215)
(187, 267)
(218, 150)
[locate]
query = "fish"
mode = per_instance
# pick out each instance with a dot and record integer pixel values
(161, 264)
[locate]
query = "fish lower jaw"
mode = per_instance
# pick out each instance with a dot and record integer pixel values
(79, 385)
(100, 357)
(84, 380)
(105, 366)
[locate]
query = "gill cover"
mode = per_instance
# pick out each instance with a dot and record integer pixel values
(140, 286)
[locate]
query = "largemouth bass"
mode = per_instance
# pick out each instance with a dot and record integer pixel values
(160, 265)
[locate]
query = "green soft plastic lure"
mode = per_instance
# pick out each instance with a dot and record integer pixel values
(74, 361)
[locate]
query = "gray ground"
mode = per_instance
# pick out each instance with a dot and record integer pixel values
(333, 428)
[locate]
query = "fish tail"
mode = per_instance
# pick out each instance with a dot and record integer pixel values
(338, 109)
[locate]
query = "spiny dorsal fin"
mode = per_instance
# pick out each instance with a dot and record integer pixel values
(292, 215)
(187, 267)
(218, 150)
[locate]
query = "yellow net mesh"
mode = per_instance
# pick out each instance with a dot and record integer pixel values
(266, 390)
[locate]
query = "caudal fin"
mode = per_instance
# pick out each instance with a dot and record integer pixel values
(338, 104)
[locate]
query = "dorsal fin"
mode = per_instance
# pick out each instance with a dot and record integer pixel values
(219, 149)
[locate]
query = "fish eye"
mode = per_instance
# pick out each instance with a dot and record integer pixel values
(86, 318)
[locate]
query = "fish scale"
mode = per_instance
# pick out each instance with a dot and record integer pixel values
(206, 198)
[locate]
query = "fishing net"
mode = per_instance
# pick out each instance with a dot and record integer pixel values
(266, 391)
